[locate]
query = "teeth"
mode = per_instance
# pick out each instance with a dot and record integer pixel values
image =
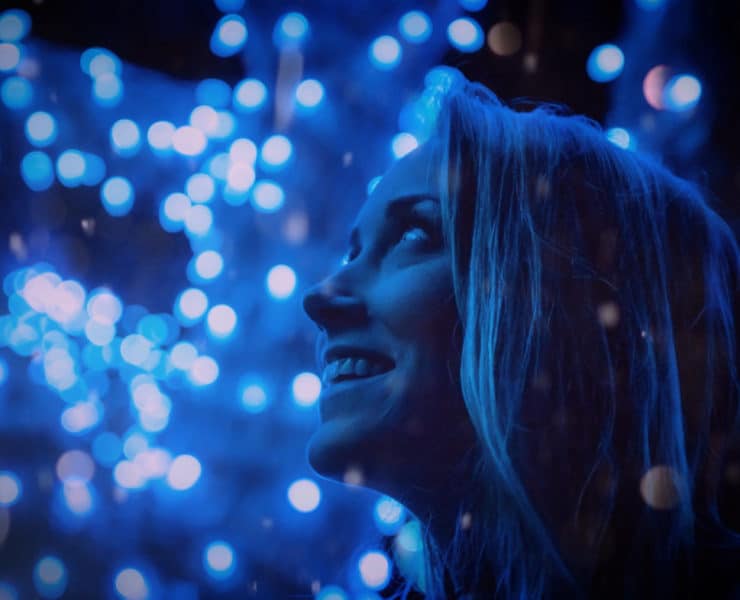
(360, 367)
(346, 367)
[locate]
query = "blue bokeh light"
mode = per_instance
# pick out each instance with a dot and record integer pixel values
(403, 143)
(252, 395)
(37, 170)
(189, 141)
(107, 90)
(190, 306)
(249, 94)
(117, 195)
(184, 472)
(16, 92)
(182, 355)
(200, 187)
(306, 388)
(209, 264)
(204, 371)
(41, 129)
(281, 282)
(267, 196)
(205, 118)
(125, 137)
(10, 57)
(229, 6)
(276, 151)
(309, 93)
(682, 93)
(218, 559)
(473, 5)
(173, 211)
(229, 35)
(94, 169)
(605, 63)
(199, 220)
(50, 577)
(213, 92)
(375, 569)
(389, 515)
(465, 34)
(415, 27)
(620, 137)
(290, 30)
(131, 584)
(385, 52)
(304, 495)
(71, 166)
(650, 4)
(97, 62)
(107, 448)
(159, 135)
(10, 488)
(221, 321)
(14, 25)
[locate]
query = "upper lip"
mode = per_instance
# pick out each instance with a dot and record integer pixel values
(343, 350)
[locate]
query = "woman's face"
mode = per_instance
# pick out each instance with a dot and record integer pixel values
(396, 418)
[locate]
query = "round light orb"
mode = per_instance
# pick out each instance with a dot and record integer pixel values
(309, 93)
(267, 196)
(41, 129)
(682, 93)
(200, 187)
(199, 220)
(125, 137)
(403, 143)
(281, 282)
(50, 577)
(205, 118)
(203, 371)
(15, 24)
(465, 34)
(16, 92)
(253, 397)
(221, 321)
(415, 27)
(306, 388)
(620, 137)
(189, 141)
(160, 134)
(107, 90)
(37, 171)
(249, 94)
(190, 306)
(304, 495)
(209, 264)
(131, 584)
(10, 488)
(229, 35)
(504, 39)
(385, 53)
(10, 57)
(184, 472)
(117, 195)
(290, 31)
(605, 63)
(276, 151)
(375, 569)
(219, 560)
(71, 168)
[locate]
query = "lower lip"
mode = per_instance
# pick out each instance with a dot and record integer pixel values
(328, 408)
(346, 383)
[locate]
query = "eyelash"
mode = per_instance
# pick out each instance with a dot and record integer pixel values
(407, 224)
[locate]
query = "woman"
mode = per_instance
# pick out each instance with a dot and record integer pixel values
(532, 344)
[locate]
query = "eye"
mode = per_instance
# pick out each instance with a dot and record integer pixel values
(417, 229)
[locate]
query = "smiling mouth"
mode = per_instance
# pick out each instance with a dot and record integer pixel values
(354, 369)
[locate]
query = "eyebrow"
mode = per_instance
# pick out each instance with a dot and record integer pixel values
(396, 207)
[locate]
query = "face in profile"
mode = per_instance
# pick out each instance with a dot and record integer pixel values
(391, 408)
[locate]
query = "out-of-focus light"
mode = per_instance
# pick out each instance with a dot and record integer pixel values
(175, 208)
(198, 220)
(229, 35)
(221, 321)
(290, 30)
(650, 4)
(135, 349)
(229, 6)
(104, 62)
(605, 63)
(204, 118)
(250, 94)
(81, 416)
(155, 328)
(190, 306)
(373, 183)
(94, 169)
(182, 355)
(331, 592)
(106, 448)
(306, 388)
(654, 84)
(620, 137)
(107, 89)
(104, 307)
(37, 171)
(441, 78)
(7, 591)
(125, 137)
(71, 168)
(41, 129)
(225, 125)
(388, 515)
(99, 334)
(473, 5)
(16, 92)
(14, 25)
(253, 397)
(304, 495)
(134, 444)
(10, 56)
(10, 488)
(75, 465)
(403, 143)
(203, 371)
(415, 26)
(682, 93)
(200, 187)
(213, 92)
(117, 195)
(77, 497)
(385, 52)
(160, 134)
(218, 559)
(128, 475)
(131, 584)
(243, 150)
(267, 196)
(309, 93)
(209, 264)
(240, 176)
(189, 141)
(50, 577)
(184, 472)
(465, 34)
(218, 165)
(375, 571)
(276, 151)
(3, 371)
(504, 38)
(281, 282)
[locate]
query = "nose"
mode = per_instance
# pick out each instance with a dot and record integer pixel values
(331, 306)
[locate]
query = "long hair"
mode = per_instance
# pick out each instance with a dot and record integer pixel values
(598, 297)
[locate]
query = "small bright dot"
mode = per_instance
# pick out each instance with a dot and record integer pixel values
(14, 25)
(10, 488)
(107, 89)
(415, 27)
(304, 495)
(403, 143)
(254, 398)
(117, 195)
(189, 141)
(309, 93)
(209, 264)
(50, 577)
(71, 167)
(682, 92)
(203, 371)
(125, 137)
(605, 63)
(465, 34)
(281, 282)
(198, 220)
(374, 569)
(184, 472)
(276, 151)
(131, 585)
(290, 30)
(37, 170)
(250, 94)
(160, 134)
(385, 52)
(41, 129)
(10, 56)
(200, 187)
(191, 305)
(221, 321)
(218, 559)
(388, 514)
(267, 196)
(619, 137)
(229, 35)
(306, 389)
